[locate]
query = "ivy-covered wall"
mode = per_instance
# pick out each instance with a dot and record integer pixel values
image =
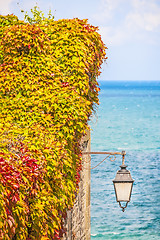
(77, 224)
(48, 91)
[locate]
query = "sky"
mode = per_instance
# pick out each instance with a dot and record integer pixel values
(129, 28)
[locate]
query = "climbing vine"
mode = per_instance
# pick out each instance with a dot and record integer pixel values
(48, 90)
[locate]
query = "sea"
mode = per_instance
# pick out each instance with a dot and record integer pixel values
(128, 118)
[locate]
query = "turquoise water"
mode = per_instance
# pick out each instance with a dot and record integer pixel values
(128, 118)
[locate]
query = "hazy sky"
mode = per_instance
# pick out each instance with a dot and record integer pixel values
(129, 28)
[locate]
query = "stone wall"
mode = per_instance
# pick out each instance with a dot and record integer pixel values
(78, 219)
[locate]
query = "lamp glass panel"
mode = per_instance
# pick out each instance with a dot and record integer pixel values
(123, 191)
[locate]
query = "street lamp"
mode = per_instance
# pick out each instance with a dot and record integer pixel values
(123, 181)
(123, 184)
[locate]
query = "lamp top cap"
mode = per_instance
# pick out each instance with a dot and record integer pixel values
(123, 175)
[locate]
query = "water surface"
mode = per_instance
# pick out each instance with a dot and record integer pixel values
(128, 118)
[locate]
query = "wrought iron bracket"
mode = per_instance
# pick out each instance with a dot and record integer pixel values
(109, 155)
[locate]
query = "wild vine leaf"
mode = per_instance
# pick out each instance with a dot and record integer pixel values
(48, 90)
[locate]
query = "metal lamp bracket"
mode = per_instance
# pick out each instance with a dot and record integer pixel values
(109, 155)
